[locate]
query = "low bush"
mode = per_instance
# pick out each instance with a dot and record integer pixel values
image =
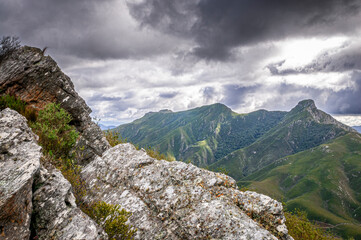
(114, 138)
(299, 227)
(7, 101)
(55, 134)
(113, 220)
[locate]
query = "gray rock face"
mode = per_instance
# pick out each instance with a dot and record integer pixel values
(55, 214)
(174, 200)
(37, 80)
(19, 162)
(52, 206)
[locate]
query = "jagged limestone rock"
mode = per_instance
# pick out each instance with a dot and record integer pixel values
(19, 162)
(175, 200)
(52, 206)
(56, 215)
(37, 80)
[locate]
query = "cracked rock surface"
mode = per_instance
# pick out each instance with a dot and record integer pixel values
(175, 200)
(19, 162)
(56, 215)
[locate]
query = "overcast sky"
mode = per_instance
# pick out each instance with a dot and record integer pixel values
(127, 58)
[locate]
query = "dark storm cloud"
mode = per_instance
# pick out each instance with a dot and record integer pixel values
(83, 28)
(218, 26)
(236, 96)
(168, 95)
(346, 59)
(347, 101)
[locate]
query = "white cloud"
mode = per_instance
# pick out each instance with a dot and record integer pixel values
(350, 120)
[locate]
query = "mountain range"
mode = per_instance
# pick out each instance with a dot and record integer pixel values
(303, 157)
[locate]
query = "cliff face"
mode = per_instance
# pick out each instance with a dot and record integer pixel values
(168, 200)
(37, 80)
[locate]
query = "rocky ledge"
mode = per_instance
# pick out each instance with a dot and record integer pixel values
(175, 200)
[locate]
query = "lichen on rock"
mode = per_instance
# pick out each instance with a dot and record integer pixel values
(175, 200)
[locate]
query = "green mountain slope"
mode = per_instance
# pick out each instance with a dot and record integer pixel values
(302, 128)
(201, 135)
(325, 181)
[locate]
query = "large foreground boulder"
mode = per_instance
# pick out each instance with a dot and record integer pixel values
(56, 215)
(19, 162)
(37, 80)
(50, 211)
(175, 200)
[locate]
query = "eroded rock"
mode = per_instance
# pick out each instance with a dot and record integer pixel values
(37, 80)
(56, 215)
(174, 200)
(19, 161)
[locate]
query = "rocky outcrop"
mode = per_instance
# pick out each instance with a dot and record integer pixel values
(37, 80)
(51, 209)
(19, 162)
(175, 200)
(55, 214)
(318, 115)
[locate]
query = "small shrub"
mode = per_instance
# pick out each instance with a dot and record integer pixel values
(13, 103)
(222, 170)
(55, 133)
(113, 220)
(114, 138)
(157, 155)
(299, 227)
(7, 101)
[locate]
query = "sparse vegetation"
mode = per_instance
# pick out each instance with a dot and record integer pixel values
(55, 134)
(58, 138)
(8, 101)
(113, 220)
(300, 228)
(114, 138)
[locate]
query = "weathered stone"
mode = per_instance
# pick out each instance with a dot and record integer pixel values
(19, 161)
(37, 80)
(175, 200)
(55, 214)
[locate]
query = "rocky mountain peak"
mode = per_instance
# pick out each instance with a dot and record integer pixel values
(308, 105)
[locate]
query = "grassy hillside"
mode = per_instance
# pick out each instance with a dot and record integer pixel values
(201, 135)
(302, 128)
(325, 181)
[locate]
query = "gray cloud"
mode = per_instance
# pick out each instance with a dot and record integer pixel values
(235, 96)
(347, 100)
(283, 96)
(168, 94)
(219, 26)
(84, 28)
(346, 58)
